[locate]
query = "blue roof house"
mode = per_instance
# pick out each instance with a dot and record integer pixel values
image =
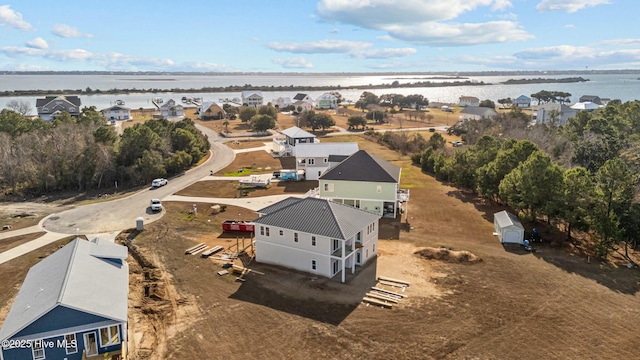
(72, 305)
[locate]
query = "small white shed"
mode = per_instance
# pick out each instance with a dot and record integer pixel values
(508, 228)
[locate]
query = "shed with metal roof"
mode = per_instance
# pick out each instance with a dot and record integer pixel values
(508, 227)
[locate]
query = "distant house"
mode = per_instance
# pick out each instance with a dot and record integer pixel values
(604, 101)
(171, 109)
(327, 101)
(469, 101)
(590, 98)
(301, 106)
(508, 228)
(553, 114)
(477, 113)
(367, 182)
(522, 101)
(316, 236)
(117, 112)
(303, 97)
(315, 158)
(51, 106)
(281, 103)
(252, 98)
(72, 305)
(293, 136)
(212, 111)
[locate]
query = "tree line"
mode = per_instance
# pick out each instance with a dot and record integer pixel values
(68, 153)
(583, 176)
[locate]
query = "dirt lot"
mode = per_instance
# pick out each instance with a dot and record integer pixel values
(544, 305)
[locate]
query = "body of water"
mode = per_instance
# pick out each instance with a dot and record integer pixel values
(625, 87)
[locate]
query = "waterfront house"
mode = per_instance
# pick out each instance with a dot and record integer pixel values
(314, 158)
(303, 97)
(469, 101)
(590, 98)
(301, 106)
(327, 101)
(554, 114)
(252, 98)
(171, 109)
(367, 182)
(292, 137)
(477, 113)
(522, 101)
(72, 305)
(117, 112)
(51, 106)
(212, 111)
(316, 236)
(281, 103)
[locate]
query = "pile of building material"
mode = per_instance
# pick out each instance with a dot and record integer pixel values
(194, 250)
(386, 298)
(211, 251)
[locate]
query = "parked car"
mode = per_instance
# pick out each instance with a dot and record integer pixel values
(156, 205)
(159, 182)
(456, 143)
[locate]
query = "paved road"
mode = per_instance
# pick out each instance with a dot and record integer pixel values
(122, 213)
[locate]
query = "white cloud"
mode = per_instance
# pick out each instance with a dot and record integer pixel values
(569, 6)
(319, 47)
(384, 38)
(441, 34)
(577, 57)
(383, 53)
(38, 43)
(294, 63)
(67, 31)
(621, 42)
(570, 26)
(13, 19)
(426, 22)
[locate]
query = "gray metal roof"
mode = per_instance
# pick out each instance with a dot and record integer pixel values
(505, 219)
(321, 217)
(92, 277)
(325, 149)
(71, 99)
(296, 132)
(362, 166)
(279, 205)
(478, 110)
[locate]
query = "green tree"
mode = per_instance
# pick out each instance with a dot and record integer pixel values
(488, 104)
(268, 110)
(436, 141)
(506, 102)
(367, 98)
(577, 199)
(321, 121)
(262, 123)
(355, 121)
(246, 113)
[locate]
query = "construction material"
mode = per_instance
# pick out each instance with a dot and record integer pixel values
(389, 283)
(223, 272)
(381, 297)
(389, 292)
(377, 302)
(196, 249)
(388, 279)
(213, 250)
(243, 270)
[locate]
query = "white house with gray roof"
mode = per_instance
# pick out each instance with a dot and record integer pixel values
(72, 305)
(316, 236)
(252, 98)
(315, 158)
(286, 146)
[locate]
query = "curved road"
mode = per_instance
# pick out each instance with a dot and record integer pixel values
(122, 213)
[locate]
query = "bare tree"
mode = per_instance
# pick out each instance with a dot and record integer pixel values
(21, 107)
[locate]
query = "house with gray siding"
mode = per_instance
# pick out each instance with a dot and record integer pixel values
(72, 305)
(293, 136)
(52, 106)
(315, 158)
(316, 236)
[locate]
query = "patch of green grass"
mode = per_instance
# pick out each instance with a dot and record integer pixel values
(245, 171)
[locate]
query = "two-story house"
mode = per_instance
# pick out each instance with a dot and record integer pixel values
(522, 101)
(117, 112)
(316, 236)
(327, 101)
(303, 97)
(367, 182)
(477, 113)
(171, 109)
(252, 98)
(315, 158)
(212, 111)
(554, 114)
(469, 101)
(72, 305)
(281, 103)
(292, 137)
(51, 106)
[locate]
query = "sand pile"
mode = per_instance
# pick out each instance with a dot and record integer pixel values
(445, 254)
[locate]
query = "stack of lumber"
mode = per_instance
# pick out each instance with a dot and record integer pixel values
(211, 251)
(393, 282)
(194, 250)
(383, 297)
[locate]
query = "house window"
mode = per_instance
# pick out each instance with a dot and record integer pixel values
(37, 350)
(328, 187)
(295, 237)
(336, 267)
(313, 265)
(281, 232)
(311, 161)
(379, 189)
(267, 231)
(359, 236)
(313, 241)
(109, 336)
(325, 160)
(70, 343)
(336, 244)
(90, 344)
(261, 230)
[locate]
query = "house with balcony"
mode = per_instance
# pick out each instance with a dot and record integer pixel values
(367, 182)
(316, 158)
(252, 98)
(171, 109)
(522, 101)
(52, 106)
(117, 113)
(316, 236)
(327, 101)
(286, 146)
(468, 101)
(72, 305)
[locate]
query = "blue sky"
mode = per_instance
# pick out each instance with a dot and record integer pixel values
(320, 35)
